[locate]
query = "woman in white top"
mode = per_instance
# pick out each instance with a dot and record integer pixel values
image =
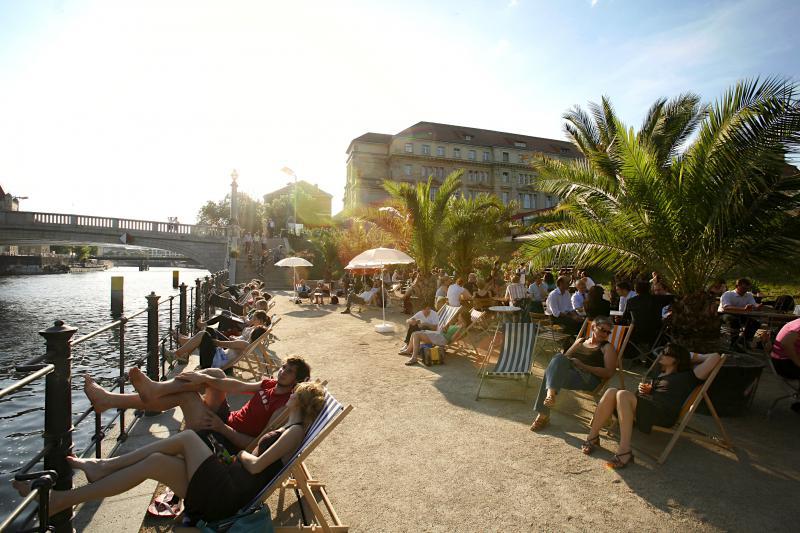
(456, 292)
(425, 319)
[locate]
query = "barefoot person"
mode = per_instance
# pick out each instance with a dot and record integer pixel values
(209, 414)
(212, 489)
(658, 403)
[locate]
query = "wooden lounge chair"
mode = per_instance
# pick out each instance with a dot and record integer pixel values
(301, 479)
(682, 429)
(516, 356)
(447, 314)
(256, 359)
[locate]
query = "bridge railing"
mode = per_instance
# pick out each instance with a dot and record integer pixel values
(56, 367)
(123, 224)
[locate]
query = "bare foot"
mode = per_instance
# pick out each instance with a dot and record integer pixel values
(56, 499)
(92, 468)
(97, 395)
(142, 384)
(23, 487)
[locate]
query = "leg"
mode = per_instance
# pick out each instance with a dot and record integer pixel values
(555, 377)
(190, 345)
(626, 411)
(150, 390)
(411, 329)
(605, 408)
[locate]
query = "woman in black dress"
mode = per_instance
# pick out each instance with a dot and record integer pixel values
(213, 488)
(656, 404)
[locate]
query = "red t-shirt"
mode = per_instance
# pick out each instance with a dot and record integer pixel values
(253, 417)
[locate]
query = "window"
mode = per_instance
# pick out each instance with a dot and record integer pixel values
(520, 144)
(564, 150)
(434, 190)
(521, 158)
(407, 170)
(486, 156)
(534, 200)
(409, 148)
(525, 179)
(467, 137)
(471, 155)
(505, 178)
(426, 149)
(504, 197)
(550, 202)
(457, 153)
(505, 156)
(440, 151)
(525, 201)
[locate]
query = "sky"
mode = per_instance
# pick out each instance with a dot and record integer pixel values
(143, 109)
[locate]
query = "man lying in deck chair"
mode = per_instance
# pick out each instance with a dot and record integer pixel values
(656, 404)
(209, 414)
(213, 489)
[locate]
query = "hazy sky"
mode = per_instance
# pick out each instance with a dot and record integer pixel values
(141, 109)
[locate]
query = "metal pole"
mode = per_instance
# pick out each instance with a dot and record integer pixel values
(198, 305)
(206, 297)
(58, 413)
(182, 309)
(122, 433)
(152, 336)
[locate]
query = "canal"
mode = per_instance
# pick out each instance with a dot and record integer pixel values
(29, 304)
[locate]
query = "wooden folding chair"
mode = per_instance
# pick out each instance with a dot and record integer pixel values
(546, 328)
(682, 429)
(516, 357)
(256, 359)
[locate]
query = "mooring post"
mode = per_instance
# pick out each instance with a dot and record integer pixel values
(152, 336)
(58, 414)
(182, 310)
(198, 304)
(175, 275)
(117, 285)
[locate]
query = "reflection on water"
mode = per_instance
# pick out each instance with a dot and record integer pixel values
(29, 304)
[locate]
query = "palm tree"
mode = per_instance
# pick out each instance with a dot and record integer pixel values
(697, 191)
(473, 228)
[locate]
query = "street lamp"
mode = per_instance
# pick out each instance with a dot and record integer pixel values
(289, 172)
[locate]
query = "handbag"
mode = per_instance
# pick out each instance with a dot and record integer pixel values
(257, 522)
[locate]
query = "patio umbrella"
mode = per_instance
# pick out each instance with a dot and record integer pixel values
(379, 258)
(293, 262)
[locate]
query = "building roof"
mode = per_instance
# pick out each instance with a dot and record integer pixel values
(314, 190)
(2, 193)
(435, 132)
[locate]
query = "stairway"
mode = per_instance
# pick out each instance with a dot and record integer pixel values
(273, 277)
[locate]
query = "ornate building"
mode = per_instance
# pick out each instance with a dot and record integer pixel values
(494, 162)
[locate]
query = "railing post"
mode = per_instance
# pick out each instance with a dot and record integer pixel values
(182, 309)
(198, 304)
(58, 413)
(123, 434)
(152, 336)
(206, 297)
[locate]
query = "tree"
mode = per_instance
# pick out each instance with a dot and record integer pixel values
(215, 213)
(698, 190)
(251, 213)
(473, 228)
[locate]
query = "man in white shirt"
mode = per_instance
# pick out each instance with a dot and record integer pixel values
(579, 296)
(456, 292)
(559, 306)
(739, 301)
(537, 292)
(625, 293)
(367, 297)
(425, 319)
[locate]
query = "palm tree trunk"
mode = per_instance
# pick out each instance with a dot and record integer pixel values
(695, 322)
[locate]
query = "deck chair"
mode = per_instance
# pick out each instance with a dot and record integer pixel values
(516, 356)
(302, 480)
(547, 329)
(447, 314)
(682, 429)
(256, 359)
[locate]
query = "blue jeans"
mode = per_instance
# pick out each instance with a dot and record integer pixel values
(560, 374)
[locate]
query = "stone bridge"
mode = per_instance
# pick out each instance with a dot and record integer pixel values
(206, 245)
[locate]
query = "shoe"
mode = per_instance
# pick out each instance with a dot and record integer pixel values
(411, 362)
(346, 312)
(540, 422)
(589, 445)
(617, 464)
(403, 352)
(550, 401)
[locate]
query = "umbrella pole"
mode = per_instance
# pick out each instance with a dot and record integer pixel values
(383, 303)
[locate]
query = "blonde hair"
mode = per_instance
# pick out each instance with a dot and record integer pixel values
(310, 400)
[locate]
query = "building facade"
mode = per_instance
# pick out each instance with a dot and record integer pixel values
(493, 162)
(314, 205)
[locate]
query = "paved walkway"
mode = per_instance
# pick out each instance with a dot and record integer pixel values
(418, 453)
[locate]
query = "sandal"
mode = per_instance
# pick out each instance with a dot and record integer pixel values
(540, 422)
(550, 401)
(616, 463)
(589, 445)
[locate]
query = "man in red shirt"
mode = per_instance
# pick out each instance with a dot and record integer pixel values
(208, 414)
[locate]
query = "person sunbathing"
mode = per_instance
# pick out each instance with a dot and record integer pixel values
(213, 489)
(439, 338)
(584, 366)
(209, 414)
(656, 404)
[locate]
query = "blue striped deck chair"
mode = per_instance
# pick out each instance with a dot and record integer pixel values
(447, 314)
(516, 357)
(301, 479)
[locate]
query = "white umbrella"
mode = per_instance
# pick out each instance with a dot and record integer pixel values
(379, 258)
(293, 262)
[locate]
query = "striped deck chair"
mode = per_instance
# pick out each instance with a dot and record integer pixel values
(328, 419)
(682, 429)
(447, 314)
(516, 357)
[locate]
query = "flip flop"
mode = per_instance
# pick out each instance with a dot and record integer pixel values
(165, 505)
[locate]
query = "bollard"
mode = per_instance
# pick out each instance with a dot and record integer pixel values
(152, 336)
(182, 310)
(175, 274)
(198, 304)
(117, 285)
(58, 413)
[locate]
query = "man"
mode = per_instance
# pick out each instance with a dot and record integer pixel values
(537, 293)
(515, 292)
(559, 306)
(625, 293)
(456, 292)
(425, 319)
(645, 312)
(472, 283)
(367, 297)
(211, 413)
(579, 296)
(739, 301)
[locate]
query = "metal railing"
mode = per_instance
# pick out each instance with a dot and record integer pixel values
(56, 367)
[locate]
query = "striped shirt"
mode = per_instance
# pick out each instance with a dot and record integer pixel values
(516, 291)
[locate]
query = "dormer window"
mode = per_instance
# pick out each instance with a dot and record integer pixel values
(467, 137)
(520, 144)
(564, 150)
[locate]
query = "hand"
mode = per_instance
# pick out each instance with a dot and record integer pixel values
(209, 420)
(577, 363)
(748, 307)
(645, 388)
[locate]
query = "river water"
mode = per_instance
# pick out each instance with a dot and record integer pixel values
(29, 304)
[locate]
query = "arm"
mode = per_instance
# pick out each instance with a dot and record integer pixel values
(240, 440)
(288, 441)
(236, 345)
(705, 364)
(609, 364)
(788, 343)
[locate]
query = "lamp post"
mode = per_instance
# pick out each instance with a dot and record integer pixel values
(290, 172)
(233, 230)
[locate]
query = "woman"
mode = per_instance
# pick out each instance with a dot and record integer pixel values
(439, 338)
(213, 489)
(586, 364)
(594, 304)
(656, 404)
(549, 282)
(441, 292)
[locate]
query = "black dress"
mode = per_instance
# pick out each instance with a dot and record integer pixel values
(218, 490)
(663, 405)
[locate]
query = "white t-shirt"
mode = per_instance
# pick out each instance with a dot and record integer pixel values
(538, 292)
(454, 293)
(732, 298)
(367, 295)
(589, 282)
(431, 320)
